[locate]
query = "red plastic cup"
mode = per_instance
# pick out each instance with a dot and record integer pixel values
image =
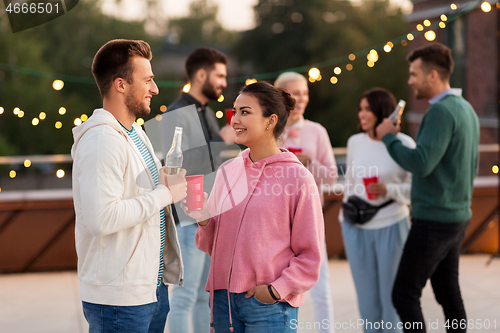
(194, 198)
(295, 150)
(229, 115)
(368, 181)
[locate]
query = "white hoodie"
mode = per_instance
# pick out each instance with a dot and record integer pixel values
(117, 209)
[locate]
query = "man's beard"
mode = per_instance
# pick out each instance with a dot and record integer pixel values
(135, 107)
(209, 91)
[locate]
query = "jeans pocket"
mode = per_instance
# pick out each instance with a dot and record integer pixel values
(262, 303)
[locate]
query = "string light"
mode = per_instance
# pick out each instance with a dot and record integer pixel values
(337, 70)
(20, 114)
(486, 7)
(12, 174)
(84, 117)
(60, 173)
(404, 43)
(220, 99)
(163, 108)
(370, 63)
(16, 111)
(443, 18)
(219, 114)
(442, 25)
(420, 27)
(35, 121)
(453, 6)
(410, 37)
(387, 48)
(430, 35)
(250, 81)
(62, 110)
(495, 169)
(58, 84)
(27, 163)
(427, 23)
(314, 73)
(372, 56)
(334, 80)
(159, 117)
(140, 121)
(77, 122)
(1, 110)
(352, 57)
(58, 125)
(186, 88)
(390, 44)
(348, 67)
(42, 115)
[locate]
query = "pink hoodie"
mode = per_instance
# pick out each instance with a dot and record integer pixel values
(267, 227)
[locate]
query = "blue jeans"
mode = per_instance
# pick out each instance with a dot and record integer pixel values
(373, 256)
(191, 300)
(147, 318)
(432, 251)
(252, 316)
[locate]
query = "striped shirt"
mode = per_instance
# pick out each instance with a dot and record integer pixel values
(148, 159)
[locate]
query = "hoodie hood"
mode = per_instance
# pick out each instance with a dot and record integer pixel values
(98, 118)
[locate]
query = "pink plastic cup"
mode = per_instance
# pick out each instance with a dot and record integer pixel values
(194, 198)
(229, 115)
(368, 181)
(295, 150)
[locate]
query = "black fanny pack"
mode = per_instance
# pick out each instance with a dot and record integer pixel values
(358, 211)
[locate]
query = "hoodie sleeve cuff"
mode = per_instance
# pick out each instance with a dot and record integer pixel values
(281, 288)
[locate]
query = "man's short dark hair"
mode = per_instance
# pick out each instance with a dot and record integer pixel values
(203, 58)
(435, 56)
(113, 60)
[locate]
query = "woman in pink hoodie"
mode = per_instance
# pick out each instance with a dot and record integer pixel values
(263, 223)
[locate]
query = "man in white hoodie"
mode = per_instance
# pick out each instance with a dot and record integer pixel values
(125, 240)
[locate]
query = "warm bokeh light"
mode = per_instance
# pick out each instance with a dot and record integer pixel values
(140, 121)
(427, 23)
(390, 44)
(404, 43)
(311, 80)
(219, 114)
(348, 67)
(334, 80)
(60, 173)
(62, 110)
(84, 117)
(314, 73)
(77, 122)
(27, 163)
(58, 124)
(35, 121)
(443, 18)
(387, 48)
(442, 25)
(42, 115)
(370, 63)
(495, 169)
(159, 117)
(16, 111)
(410, 37)
(220, 99)
(186, 88)
(1, 110)
(337, 70)
(58, 84)
(453, 6)
(12, 174)
(486, 7)
(430, 35)
(420, 27)
(250, 81)
(20, 114)
(372, 56)
(352, 57)
(163, 108)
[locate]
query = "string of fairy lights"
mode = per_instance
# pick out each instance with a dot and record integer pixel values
(314, 72)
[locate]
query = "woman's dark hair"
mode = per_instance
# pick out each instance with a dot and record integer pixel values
(273, 101)
(382, 103)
